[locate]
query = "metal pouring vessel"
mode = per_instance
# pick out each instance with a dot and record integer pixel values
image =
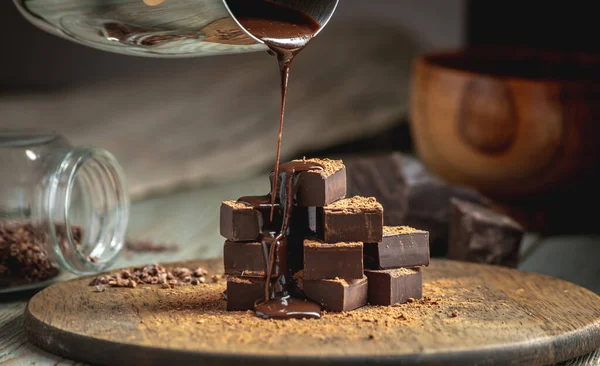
(173, 29)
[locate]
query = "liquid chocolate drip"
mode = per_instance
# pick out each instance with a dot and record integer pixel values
(257, 201)
(278, 302)
(286, 32)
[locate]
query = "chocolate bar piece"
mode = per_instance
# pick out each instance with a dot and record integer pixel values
(328, 261)
(351, 219)
(394, 286)
(402, 246)
(319, 187)
(244, 259)
(337, 294)
(478, 234)
(410, 195)
(243, 292)
(239, 221)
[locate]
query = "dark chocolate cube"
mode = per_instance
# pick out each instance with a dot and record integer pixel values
(244, 259)
(394, 286)
(478, 234)
(351, 219)
(328, 261)
(337, 294)
(402, 246)
(317, 188)
(241, 222)
(242, 292)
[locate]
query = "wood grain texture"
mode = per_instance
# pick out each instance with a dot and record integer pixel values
(190, 219)
(505, 316)
(520, 126)
(512, 123)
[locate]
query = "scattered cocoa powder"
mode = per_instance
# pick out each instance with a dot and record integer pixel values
(329, 166)
(199, 314)
(174, 316)
(395, 230)
(354, 204)
(237, 205)
(310, 243)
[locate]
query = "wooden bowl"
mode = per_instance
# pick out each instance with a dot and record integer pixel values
(515, 124)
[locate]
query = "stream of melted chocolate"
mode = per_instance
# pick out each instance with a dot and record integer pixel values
(278, 302)
(286, 32)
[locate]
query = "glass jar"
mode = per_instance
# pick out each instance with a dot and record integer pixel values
(62, 208)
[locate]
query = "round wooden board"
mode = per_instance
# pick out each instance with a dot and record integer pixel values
(472, 314)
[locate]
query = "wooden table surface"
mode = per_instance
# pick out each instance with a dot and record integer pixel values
(189, 219)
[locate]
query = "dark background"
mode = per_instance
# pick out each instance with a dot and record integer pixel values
(566, 25)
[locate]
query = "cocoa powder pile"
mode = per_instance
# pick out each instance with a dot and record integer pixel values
(392, 230)
(329, 166)
(199, 313)
(355, 203)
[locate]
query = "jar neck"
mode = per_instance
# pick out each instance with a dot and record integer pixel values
(87, 208)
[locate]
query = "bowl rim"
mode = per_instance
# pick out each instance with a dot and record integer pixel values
(429, 59)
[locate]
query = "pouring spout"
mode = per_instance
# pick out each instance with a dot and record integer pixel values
(156, 28)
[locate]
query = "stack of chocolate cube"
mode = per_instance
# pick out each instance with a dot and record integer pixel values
(341, 254)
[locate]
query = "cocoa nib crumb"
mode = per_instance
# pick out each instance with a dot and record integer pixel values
(454, 314)
(153, 274)
(99, 288)
(24, 251)
(199, 272)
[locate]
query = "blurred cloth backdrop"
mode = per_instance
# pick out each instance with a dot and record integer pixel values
(192, 121)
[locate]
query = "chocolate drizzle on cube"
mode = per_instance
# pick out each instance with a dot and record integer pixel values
(322, 245)
(278, 302)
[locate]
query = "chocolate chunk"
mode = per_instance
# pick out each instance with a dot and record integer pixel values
(394, 286)
(478, 234)
(241, 222)
(410, 195)
(337, 294)
(242, 293)
(328, 261)
(319, 187)
(244, 259)
(248, 259)
(402, 246)
(352, 219)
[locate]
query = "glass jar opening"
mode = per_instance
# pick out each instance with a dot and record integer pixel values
(87, 207)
